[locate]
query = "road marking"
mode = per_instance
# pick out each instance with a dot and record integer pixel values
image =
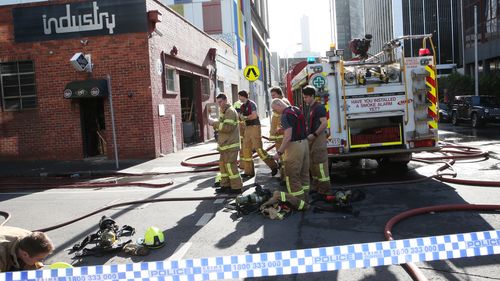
(180, 251)
(204, 219)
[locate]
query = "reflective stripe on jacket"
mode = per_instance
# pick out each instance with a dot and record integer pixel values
(228, 128)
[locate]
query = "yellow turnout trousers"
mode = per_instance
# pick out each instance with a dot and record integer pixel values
(252, 141)
(296, 159)
(318, 156)
(230, 175)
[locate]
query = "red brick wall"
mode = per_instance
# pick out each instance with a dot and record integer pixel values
(53, 130)
(193, 47)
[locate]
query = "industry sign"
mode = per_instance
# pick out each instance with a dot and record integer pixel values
(74, 20)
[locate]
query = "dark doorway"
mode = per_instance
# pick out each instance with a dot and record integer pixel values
(234, 92)
(189, 102)
(93, 126)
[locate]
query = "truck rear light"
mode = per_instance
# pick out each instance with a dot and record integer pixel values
(425, 143)
(333, 150)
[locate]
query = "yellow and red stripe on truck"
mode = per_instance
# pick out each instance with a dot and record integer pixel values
(430, 81)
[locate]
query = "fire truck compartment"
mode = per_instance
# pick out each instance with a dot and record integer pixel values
(377, 133)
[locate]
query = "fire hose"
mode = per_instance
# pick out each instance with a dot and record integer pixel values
(450, 152)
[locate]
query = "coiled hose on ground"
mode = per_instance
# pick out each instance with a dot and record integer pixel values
(450, 152)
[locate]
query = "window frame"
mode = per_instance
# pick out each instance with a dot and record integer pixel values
(173, 80)
(19, 96)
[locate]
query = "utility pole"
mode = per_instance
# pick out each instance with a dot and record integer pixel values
(476, 65)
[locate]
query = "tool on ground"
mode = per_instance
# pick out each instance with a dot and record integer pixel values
(339, 201)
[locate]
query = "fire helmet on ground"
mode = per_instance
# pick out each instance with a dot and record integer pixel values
(153, 238)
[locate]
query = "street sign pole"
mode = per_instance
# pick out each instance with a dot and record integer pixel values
(113, 121)
(249, 36)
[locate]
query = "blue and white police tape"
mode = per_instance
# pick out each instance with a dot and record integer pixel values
(283, 262)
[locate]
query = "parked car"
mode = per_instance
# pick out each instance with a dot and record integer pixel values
(478, 109)
(444, 113)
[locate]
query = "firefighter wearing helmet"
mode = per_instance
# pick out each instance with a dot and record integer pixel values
(253, 139)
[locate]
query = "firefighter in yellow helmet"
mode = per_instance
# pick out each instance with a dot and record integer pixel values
(228, 145)
(276, 132)
(295, 152)
(316, 121)
(252, 139)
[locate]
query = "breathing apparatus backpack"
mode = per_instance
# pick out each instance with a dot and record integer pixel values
(105, 240)
(247, 204)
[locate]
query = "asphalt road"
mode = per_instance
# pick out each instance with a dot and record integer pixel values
(204, 228)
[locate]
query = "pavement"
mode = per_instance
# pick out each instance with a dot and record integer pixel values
(101, 166)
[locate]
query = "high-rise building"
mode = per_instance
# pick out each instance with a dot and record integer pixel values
(378, 23)
(387, 19)
(488, 31)
(349, 23)
(305, 40)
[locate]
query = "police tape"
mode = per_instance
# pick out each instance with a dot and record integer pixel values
(283, 262)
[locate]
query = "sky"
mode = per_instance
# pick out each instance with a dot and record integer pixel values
(284, 25)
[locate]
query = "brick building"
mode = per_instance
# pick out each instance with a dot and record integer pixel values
(161, 71)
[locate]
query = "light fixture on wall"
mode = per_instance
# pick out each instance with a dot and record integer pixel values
(174, 51)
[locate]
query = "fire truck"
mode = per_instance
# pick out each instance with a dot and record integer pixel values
(381, 106)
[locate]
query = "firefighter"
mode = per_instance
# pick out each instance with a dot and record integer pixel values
(22, 249)
(295, 152)
(252, 139)
(316, 124)
(237, 106)
(228, 146)
(276, 132)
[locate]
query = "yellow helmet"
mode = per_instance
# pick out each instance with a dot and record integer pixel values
(153, 238)
(60, 264)
(237, 104)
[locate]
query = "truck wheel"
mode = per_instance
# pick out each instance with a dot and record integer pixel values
(454, 119)
(476, 123)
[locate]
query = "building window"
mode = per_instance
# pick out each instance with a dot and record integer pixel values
(220, 86)
(17, 81)
(170, 79)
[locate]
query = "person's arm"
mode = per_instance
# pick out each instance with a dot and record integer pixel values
(228, 123)
(287, 137)
(320, 111)
(252, 116)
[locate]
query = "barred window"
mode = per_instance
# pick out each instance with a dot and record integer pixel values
(170, 79)
(17, 82)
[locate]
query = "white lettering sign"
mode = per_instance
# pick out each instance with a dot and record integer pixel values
(86, 22)
(376, 104)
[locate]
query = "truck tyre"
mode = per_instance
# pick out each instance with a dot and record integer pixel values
(454, 119)
(476, 123)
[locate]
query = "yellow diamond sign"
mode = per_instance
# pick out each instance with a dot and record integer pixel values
(251, 73)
